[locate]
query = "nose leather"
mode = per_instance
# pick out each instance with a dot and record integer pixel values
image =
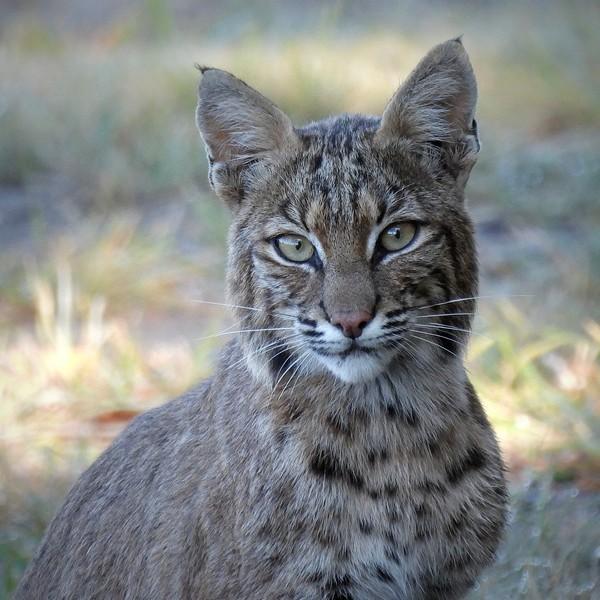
(351, 323)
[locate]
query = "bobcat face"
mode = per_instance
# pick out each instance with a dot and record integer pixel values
(350, 241)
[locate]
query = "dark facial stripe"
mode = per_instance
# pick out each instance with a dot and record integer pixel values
(310, 333)
(307, 322)
(395, 313)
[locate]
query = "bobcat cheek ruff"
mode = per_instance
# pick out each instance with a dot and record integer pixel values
(339, 450)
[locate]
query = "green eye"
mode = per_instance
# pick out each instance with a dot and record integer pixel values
(398, 236)
(294, 247)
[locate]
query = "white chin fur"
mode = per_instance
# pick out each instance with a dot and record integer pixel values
(354, 368)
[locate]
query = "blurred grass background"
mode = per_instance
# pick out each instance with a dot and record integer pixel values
(108, 233)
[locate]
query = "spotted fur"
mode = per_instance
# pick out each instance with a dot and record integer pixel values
(313, 465)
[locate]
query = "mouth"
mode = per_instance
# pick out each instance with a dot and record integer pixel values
(353, 349)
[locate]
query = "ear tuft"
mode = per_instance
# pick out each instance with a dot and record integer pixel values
(435, 107)
(202, 68)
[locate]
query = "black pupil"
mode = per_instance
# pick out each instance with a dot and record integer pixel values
(298, 244)
(396, 232)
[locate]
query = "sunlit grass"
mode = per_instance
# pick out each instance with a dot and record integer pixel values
(541, 390)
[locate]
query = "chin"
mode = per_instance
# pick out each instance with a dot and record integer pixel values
(357, 368)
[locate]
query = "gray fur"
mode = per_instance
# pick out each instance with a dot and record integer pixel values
(298, 471)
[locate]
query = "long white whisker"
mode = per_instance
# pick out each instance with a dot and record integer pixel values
(245, 308)
(294, 362)
(474, 298)
(438, 335)
(243, 331)
(270, 346)
(456, 314)
(278, 376)
(434, 344)
(451, 328)
(409, 348)
(297, 364)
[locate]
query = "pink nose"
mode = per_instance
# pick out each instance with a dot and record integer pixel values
(351, 323)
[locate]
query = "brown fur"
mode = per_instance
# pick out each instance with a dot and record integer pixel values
(311, 466)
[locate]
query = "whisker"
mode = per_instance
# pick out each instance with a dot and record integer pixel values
(439, 335)
(279, 314)
(270, 346)
(474, 298)
(294, 362)
(278, 376)
(297, 364)
(434, 344)
(405, 344)
(243, 331)
(452, 328)
(455, 314)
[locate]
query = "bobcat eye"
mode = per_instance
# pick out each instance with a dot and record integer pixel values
(294, 247)
(398, 236)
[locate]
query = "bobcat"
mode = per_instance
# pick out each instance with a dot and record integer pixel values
(339, 451)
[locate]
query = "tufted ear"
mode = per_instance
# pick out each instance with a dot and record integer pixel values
(434, 111)
(240, 128)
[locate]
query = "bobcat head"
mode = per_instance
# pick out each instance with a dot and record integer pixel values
(350, 244)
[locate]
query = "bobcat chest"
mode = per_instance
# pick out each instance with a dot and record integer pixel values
(377, 520)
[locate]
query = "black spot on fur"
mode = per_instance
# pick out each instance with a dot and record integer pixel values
(338, 580)
(338, 426)
(473, 460)
(365, 526)
(339, 595)
(374, 455)
(324, 464)
(315, 577)
(396, 412)
(390, 489)
(421, 510)
(433, 446)
(456, 524)
(432, 487)
(337, 587)
(317, 161)
(392, 555)
(281, 435)
(391, 538)
(383, 574)
(422, 531)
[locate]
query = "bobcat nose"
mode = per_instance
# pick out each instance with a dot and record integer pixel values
(351, 323)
